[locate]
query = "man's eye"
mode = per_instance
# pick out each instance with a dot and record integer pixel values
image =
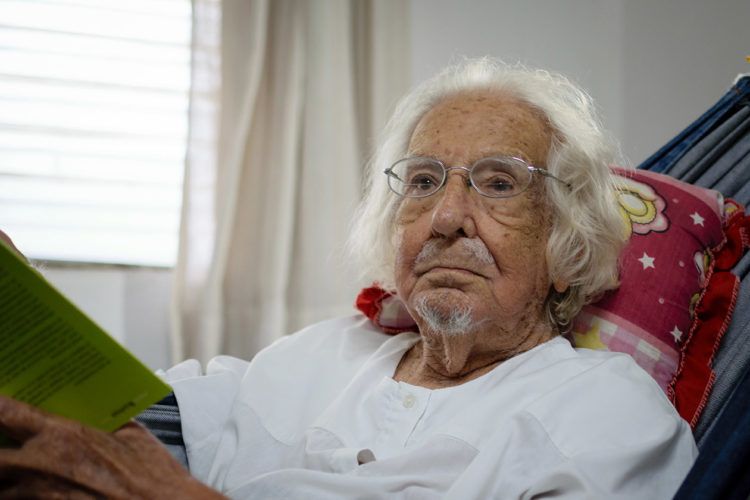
(499, 185)
(423, 181)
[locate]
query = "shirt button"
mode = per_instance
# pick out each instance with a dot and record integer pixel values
(409, 400)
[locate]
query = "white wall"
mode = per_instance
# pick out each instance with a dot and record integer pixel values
(678, 58)
(652, 66)
(131, 304)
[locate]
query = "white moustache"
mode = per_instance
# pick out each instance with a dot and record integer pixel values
(467, 247)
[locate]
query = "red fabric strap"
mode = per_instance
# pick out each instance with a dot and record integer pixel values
(694, 377)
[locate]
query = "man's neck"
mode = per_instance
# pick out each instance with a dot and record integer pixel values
(439, 361)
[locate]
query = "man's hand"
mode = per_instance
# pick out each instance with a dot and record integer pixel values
(60, 458)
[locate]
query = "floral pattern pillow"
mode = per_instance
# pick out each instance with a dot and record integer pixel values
(673, 228)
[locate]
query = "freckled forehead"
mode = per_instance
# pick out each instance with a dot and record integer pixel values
(466, 127)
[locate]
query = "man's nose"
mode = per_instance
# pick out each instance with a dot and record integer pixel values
(453, 213)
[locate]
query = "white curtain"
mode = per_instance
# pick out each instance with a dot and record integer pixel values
(286, 98)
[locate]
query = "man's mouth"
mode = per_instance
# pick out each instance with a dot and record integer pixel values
(451, 269)
(468, 257)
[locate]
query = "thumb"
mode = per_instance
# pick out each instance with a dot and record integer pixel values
(6, 239)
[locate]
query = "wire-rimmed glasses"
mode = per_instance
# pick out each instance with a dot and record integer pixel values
(494, 177)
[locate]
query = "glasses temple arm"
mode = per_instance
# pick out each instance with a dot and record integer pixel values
(547, 174)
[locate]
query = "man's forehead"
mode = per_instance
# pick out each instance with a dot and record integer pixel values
(472, 125)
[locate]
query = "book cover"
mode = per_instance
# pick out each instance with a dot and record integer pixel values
(54, 357)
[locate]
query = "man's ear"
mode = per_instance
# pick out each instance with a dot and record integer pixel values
(560, 285)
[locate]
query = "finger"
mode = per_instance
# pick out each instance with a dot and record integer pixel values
(49, 470)
(6, 239)
(31, 474)
(134, 434)
(131, 426)
(133, 430)
(34, 484)
(20, 421)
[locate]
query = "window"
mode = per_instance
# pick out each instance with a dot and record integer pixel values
(93, 127)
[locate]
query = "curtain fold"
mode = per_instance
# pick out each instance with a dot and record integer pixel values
(278, 138)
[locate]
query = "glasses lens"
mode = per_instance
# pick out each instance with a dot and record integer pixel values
(416, 177)
(500, 177)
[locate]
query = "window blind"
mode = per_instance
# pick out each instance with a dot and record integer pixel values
(93, 127)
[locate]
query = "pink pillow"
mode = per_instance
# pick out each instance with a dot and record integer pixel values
(667, 276)
(663, 270)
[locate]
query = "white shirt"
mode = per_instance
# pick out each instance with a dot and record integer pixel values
(318, 415)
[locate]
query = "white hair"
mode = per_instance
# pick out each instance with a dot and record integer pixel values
(587, 232)
(457, 320)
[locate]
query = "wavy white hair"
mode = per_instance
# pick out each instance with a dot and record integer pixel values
(587, 232)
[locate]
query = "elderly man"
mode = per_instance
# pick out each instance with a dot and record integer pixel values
(490, 211)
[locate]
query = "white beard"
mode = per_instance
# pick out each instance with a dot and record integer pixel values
(457, 321)
(473, 247)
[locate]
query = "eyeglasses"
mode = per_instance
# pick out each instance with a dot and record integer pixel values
(494, 177)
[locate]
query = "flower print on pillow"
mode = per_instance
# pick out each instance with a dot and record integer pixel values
(641, 207)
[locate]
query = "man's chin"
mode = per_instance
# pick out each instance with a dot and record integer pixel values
(445, 311)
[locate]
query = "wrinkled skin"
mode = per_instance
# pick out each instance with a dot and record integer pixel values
(506, 297)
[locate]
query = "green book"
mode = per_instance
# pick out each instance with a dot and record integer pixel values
(54, 357)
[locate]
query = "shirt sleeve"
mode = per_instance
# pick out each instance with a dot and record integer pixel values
(205, 402)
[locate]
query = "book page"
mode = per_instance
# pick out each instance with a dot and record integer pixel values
(54, 357)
